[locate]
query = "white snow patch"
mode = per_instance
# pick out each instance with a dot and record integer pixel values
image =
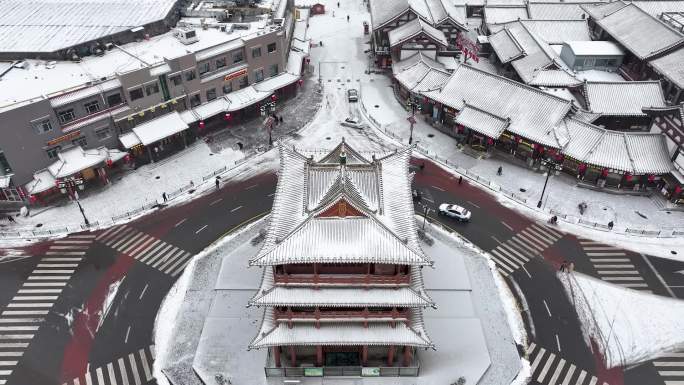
(107, 304)
(628, 326)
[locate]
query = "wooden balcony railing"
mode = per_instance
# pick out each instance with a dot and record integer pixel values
(342, 279)
(396, 315)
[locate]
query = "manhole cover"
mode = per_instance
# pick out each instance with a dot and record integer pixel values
(211, 154)
(668, 212)
(522, 190)
(39, 225)
(431, 135)
(604, 209)
(376, 106)
(157, 177)
(342, 67)
(673, 252)
(327, 138)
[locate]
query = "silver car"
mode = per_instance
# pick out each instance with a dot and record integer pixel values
(454, 211)
(352, 95)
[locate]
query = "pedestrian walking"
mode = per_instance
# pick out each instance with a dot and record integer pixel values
(347, 18)
(460, 179)
(562, 266)
(422, 166)
(164, 197)
(338, 4)
(280, 118)
(610, 225)
(217, 183)
(499, 171)
(10, 219)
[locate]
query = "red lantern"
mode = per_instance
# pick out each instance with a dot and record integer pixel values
(628, 177)
(651, 178)
(127, 158)
(109, 162)
(273, 98)
(678, 189)
(201, 125)
(300, 82)
(490, 141)
(226, 116)
(32, 198)
(604, 172)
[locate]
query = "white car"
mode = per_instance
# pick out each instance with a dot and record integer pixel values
(352, 95)
(353, 123)
(455, 211)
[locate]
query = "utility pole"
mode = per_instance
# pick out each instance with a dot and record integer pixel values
(550, 167)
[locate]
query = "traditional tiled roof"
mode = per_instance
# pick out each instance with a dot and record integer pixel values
(623, 98)
(559, 31)
(671, 66)
(505, 46)
(432, 11)
(482, 121)
(656, 8)
(419, 72)
(534, 114)
(637, 153)
(501, 14)
(414, 28)
(553, 10)
(639, 32)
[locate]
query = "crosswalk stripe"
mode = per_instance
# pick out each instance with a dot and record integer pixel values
(530, 348)
(18, 328)
(537, 359)
(162, 255)
(635, 278)
(134, 369)
(605, 254)
(12, 354)
(523, 245)
(180, 268)
(25, 312)
(100, 376)
(547, 366)
(8, 363)
(593, 380)
(601, 248)
(20, 320)
(120, 241)
(668, 363)
(116, 232)
(36, 304)
(56, 265)
(106, 232)
(553, 232)
(616, 266)
(541, 234)
(137, 254)
(536, 238)
(72, 241)
(65, 253)
(15, 337)
(5, 372)
(163, 246)
(142, 245)
(146, 366)
(110, 372)
(129, 241)
(35, 298)
(674, 382)
(502, 272)
(141, 239)
(618, 272)
(671, 372)
(119, 235)
(39, 291)
(67, 259)
(510, 266)
(88, 378)
(167, 257)
(34, 284)
(568, 374)
(502, 265)
(49, 278)
(186, 257)
(580, 378)
(505, 251)
(633, 285)
(122, 371)
(70, 271)
(179, 256)
(511, 250)
(529, 241)
(74, 247)
(680, 354)
(13, 345)
(557, 372)
(83, 236)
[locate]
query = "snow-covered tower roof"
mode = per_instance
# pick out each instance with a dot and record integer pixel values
(343, 208)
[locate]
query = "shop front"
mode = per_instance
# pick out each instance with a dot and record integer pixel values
(156, 139)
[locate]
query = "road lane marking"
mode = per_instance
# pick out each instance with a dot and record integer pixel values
(537, 359)
(54, 265)
(472, 204)
(545, 369)
(20, 320)
(429, 200)
(235, 209)
(507, 226)
(568, 375)
(128, 331)
(122, 371)
(657, 274)
(35, 298)
(25, 312)
(547, 307)
(100, 376)
(143, 291)
(44, 284)
(251, 187)
(270, 195)
(527, 272)
(557, 343)
(437, 188)
(181, 222)
(215, 202)
(497, 241)
(201, 228)
(70, 271)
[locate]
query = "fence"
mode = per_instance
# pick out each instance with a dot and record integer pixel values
(644, 232)
(592, 224)
(134, 211)
(213, 174)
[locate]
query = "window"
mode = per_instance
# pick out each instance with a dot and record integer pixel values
(203, 68)
(244, 82)
(4, 164)
(228, 88)
(114, 100)
(81, 141)
(66, 116)
(103, 133)
(271, 47)
(238, 57)
(190, 75)
(176, 79)
(42, 126)
(52, 152)
(220, 63)
(259, 75)
(195, 101)
(273, 70)
(211, 94)
(136, 93)
(611, 62)
(152, 88)
(92, 107)
(256, 52)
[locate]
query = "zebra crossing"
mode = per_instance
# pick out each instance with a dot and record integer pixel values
(154, 252)
(509, 256)
(132, 369)
(548, 368)
(613, 265)
(671, 368)
(23, 315)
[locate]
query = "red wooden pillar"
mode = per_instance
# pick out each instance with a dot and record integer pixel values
(364, 355)
(319, 355)
(289, 317)
(276, 355)
(407, 355)
(317, 314)
(293, 356)
(390, 356)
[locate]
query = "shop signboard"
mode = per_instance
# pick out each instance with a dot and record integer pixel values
(235, 75)
(370, 372)
(313, 372)
(69, 136)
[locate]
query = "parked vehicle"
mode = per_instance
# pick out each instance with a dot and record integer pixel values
(454, 211)
(352, 95)
(354, 123)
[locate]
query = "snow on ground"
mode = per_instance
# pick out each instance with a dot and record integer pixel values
(628, 326)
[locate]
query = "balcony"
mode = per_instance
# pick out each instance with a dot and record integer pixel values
(341, 315)
(342, 280)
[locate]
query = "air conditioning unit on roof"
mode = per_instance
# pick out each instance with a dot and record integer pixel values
(186, 35)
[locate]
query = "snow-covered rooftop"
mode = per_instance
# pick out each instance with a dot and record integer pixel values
(159, 128)
(53, 25)
(76, 159)
(559, 31)
(671, 66)
(623, 98)
(533, 113)
(637, 153)
(595, 48)
(431, 11)
(414, 28)
(481, 121)
(553, 10)
(419, 73)
(639, 32)
(500, 15)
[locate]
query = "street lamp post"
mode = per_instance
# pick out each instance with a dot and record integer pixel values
(550, 166)
(87, 223)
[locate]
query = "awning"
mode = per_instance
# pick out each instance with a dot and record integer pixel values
(160, 128)
(76, 159)
(42, 181)
(129, 140)
(5, 180)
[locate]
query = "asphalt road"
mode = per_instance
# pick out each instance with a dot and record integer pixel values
(88, 329)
